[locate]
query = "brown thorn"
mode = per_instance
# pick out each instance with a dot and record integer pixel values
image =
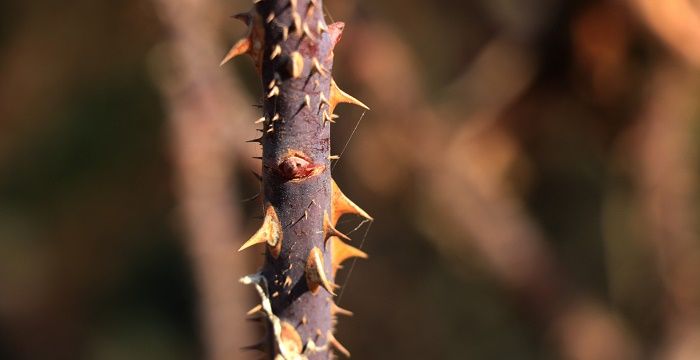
(341, 251)
(276, 51)
(310, 9)
(337, 310)
(256, 309)
(290, 340)
(340, 205)
(296, 20)
(329, 230)
(321, 27)
(274, 92)
(315, 272)
(270, 232)
(336, 344)
(339, 96)
(296, 64)
(308, 32)
(327, 117)
(241, 47)
(323, 99)
(318, 67)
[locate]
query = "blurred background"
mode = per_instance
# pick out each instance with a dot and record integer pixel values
(532, 166)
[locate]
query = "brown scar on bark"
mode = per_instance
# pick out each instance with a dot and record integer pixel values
(297, 166)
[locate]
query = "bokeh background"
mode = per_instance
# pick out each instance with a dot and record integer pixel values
(532, 166)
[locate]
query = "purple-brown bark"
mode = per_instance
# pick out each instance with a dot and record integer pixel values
(293, 51)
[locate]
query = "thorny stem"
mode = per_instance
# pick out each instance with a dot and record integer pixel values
(292, 47)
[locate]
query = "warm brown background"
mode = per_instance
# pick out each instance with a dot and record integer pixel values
(532, 167)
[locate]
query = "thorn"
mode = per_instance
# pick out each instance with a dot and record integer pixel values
(271, 129)
(296, 19)
(270, 232)
(256, 140)
(274, 92)
(259, 158)
(315, 272)
(308, 32)
(256, 309)
(289, 339)
(276, 117)
(333, 157)
(336, 344)
(337, 310)
(321, 27)
(318, 67)
(271, 84)
(310, 10)
(339, 96)
(287, 282)
(329, 230)
(341, 251)
(285, 33)
(324, 101)
(327, 118)
(276, 51)
(340, 204)
(296, 64)
(261, 120)
(304, 320)
(275, 294)
(307, 100)
(240, 47)
(270, 17)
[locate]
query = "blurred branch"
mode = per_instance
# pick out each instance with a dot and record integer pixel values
(667, 180)
(675, 22)
(469, 194)
(206, 111)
